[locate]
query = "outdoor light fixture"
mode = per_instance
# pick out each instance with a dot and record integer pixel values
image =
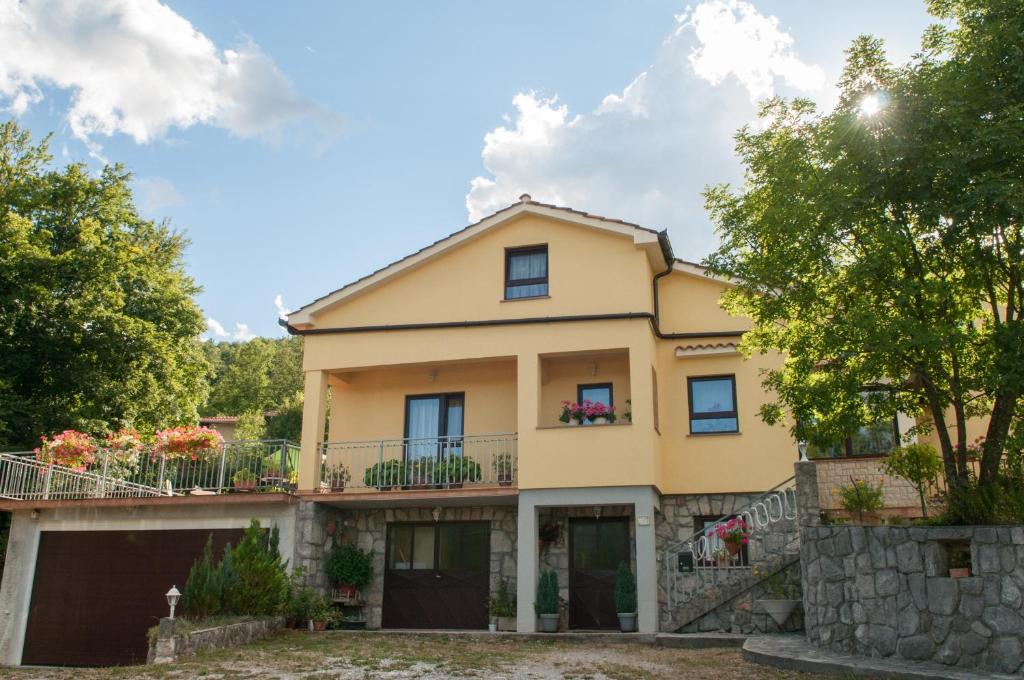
(436, 512)
(173, 595)
(802, 447)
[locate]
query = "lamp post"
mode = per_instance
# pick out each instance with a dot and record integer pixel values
(173, 595)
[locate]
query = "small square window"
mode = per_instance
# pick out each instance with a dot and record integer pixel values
(713, 404)
(526, 272)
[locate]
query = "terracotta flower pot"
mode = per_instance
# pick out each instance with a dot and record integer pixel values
(349, 591)
(733, 547)
(960, 572)
(319, 626)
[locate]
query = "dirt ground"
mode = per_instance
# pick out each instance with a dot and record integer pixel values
(295, 655)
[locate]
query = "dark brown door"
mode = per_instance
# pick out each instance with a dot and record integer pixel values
(437, 575)
(97, 593)
(596, 548)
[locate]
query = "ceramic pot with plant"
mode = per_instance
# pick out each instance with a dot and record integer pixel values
(503, 469)
(572, 413)
(783, 597)
(244, 480)
(337, 477)
(599, 414)
(502, 607)
(452, 471)
(321, 614)
(388, 474)
(734, 534)
(546, 605)
(960, 563)
(625, 598)
(721, 557)
(349, 569)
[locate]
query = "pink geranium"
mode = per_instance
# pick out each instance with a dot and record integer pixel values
(734, 531)
(187, 442)
(70, 448)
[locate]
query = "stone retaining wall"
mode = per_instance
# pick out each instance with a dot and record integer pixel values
(886, 591)
(171, 645)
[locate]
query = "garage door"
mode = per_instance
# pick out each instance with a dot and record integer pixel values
(96, 593)
(437, 575)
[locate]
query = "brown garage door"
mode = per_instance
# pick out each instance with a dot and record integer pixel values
(96, 593)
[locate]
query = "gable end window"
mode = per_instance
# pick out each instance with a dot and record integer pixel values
(713, 404)
(526, 272)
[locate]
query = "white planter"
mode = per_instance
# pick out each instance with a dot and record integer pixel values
(601, 420)
(779, 610)
(627, 622)
(573, 421)
(493, 627)
(548, 623)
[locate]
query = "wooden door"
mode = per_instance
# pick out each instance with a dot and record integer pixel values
(596, 548)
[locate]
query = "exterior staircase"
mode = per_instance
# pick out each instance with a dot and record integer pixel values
(708, 583)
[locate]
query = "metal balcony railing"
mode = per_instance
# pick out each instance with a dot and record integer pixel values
(419, 463)
(240, 466)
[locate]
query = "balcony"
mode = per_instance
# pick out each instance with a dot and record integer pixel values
(419, 464)
(234, 468)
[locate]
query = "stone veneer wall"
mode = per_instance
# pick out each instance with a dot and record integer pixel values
(885, 591)
(743, 614)
(368, 528)
(675, 523)
(834, 473)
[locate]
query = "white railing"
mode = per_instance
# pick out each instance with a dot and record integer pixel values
(239, 467)
(419, 463)
(771, 521)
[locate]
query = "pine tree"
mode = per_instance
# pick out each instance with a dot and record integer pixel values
(204, 588)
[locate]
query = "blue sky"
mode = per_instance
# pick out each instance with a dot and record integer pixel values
(302, 145)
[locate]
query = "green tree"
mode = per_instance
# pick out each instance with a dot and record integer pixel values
(100, 328)
(251, 426)
(886, 249)
(259, 375)
(204, 589)
(259, 582)
(919, 464)
(286, 422)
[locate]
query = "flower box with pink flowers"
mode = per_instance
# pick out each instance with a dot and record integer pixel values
(587, 413)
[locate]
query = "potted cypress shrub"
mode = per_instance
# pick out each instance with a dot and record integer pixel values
(349, 569)
(547, 602)
(625, 598)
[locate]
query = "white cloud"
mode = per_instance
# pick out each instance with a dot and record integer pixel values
(242, 333)
(282, 311)
(215, 329)
(646, 153)
(736, 40)
(136, 67)
(153, 194)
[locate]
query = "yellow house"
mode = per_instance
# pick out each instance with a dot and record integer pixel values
(445, 375)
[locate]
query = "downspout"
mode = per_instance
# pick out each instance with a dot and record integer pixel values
(670, 259)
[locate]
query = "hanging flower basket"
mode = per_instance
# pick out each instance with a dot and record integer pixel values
(70, 448)
(188, 443)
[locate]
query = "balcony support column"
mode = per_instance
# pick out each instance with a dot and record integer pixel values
(314, 415)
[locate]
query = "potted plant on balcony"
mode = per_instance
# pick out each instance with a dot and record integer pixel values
(389, 474)
(349, 569)
(599, 414)
(721, 557)
(504, 469)
(502, 607)
(734, 534)
(625, 598)
(452, 471)
(70, 448)
(572, 413)
(188, 443)
(783, 596)
(124, 448)
(547, 602)
(337, 476)
(244, 480)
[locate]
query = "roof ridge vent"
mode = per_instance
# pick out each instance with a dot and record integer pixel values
(525, 198)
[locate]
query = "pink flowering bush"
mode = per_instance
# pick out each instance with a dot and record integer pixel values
(187, 442)
(734, 531)
(70, 448)
(571, 410)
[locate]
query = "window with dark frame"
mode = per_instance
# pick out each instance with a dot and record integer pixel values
(526, 272)
(595, 392)
(876, 439)
(713, 404)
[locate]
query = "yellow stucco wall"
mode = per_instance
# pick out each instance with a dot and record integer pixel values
(516, 376)
(590, 272)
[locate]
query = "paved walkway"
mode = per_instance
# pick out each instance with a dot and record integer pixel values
(793, 652)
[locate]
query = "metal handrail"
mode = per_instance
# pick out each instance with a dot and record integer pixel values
(237, 466)
(444, 461)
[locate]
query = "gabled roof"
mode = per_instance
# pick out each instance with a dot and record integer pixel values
(648, 239)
